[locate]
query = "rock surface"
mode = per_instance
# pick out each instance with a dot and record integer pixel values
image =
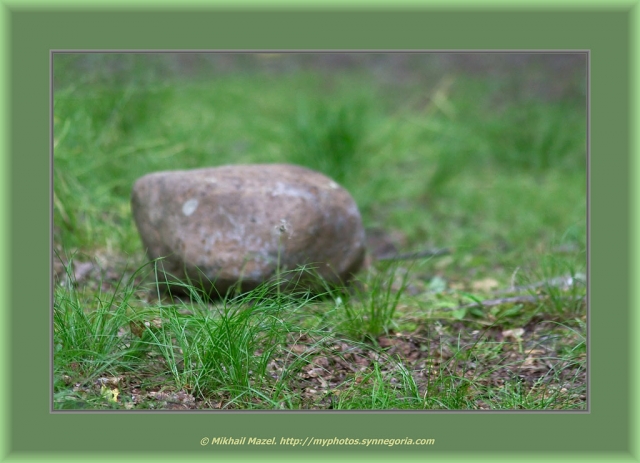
(245, 223)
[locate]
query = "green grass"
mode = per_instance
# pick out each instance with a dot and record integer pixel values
(87, 329)
(500, 323)
(369, 307)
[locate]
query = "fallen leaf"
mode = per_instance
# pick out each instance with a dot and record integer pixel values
(110, 394)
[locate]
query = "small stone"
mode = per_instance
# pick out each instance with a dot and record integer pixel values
(221, 226)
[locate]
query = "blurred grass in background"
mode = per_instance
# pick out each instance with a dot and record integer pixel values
(483, 152)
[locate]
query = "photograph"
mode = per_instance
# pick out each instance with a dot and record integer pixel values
(320, 231)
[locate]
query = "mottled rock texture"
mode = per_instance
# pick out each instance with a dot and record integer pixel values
(247, 224)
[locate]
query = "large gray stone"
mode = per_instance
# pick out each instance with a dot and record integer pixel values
(247, 224)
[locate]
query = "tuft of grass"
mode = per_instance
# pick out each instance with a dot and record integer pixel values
(227, 350)
(560, 282)
(368, 309)
(330, 138)
(88, 330)
(380, 390)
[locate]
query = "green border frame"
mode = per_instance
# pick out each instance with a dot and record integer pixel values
(30, 29)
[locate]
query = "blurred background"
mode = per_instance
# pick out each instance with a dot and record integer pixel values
(482, 152)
